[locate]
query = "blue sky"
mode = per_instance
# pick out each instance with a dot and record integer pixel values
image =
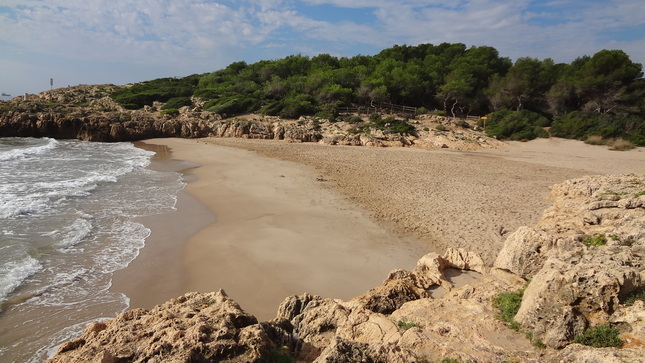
(116, 41)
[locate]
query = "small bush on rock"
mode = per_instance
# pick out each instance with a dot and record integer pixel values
(601, 336)
(639, 294)
(508, 303)
(595, 240)
(405, 325)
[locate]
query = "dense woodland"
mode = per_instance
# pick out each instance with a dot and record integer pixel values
(599, 95)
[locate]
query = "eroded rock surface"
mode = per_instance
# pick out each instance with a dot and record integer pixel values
(192, 328)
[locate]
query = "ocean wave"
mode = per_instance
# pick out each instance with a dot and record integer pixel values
(127, 238)
(12, 207)
(15, 273)
(72, 235)
(29, 151)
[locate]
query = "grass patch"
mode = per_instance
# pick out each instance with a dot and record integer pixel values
(170, 111)
(634, 296)
(595, 240)
(281, 355)
(595, 140)
(508, 304)
(639, 194)
(620, 145)
(601, 336)
(405, 325)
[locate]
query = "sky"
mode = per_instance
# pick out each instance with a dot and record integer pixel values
(100, 41)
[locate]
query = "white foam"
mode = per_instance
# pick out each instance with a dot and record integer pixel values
(128, 238)
(15, 273)
(75, 234)
(33, 150)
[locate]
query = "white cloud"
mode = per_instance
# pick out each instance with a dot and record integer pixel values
(192, 36)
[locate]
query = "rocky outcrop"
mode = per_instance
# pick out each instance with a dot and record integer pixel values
(193, 328)
(576, 266)
(583, 258)
(88, 113)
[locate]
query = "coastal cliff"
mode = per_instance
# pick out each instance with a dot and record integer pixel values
(579, 268)
(89, 113)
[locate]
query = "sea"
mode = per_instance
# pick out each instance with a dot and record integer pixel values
(69, 214)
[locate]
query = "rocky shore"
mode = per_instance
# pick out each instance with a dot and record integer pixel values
(577, 267)
(88, 113)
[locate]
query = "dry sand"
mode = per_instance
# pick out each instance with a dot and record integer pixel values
(333, 220)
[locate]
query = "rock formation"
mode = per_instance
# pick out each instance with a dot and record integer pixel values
(88, 113)
(577, 266)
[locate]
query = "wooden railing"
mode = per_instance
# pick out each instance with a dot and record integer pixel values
(381, 108)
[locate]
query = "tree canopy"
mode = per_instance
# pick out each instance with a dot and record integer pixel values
(600, 95)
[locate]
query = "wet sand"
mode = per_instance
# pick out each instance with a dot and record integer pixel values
(333, 221)
(279, 229)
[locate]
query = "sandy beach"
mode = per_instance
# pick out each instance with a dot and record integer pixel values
(266, 219)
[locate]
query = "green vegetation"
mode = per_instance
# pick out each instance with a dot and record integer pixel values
(162, 90)
(405, 325)
(639, 294)
(600, 336)
(594, 96)
(281, 355)
(595, 240)
(516, 125)
(508, 304)
(535, 342)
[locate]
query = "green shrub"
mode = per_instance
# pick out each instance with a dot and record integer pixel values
(170, 111)
(405, 325)
(516, 125)
(634, 296)
(579, 125)
(401, 127)
(177, 102)
(231, 106)
(440, 127)
(595, 240)
(422, 111)
(326, 116)
(374, 117)
(281, 355)
(508, 304)
(162, 90)
(462, 123)
(353, 119)
(600, 336)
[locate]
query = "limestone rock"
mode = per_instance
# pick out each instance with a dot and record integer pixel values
(524, 251)
(630, 320)
(403, 286)
(570, 294)
(194, 327)
(464, 260)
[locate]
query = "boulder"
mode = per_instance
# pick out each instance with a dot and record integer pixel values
(194, 327)
(524, 251)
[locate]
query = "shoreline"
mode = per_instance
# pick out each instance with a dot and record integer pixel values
(153, 285)
(279, 230)
(287, 214)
